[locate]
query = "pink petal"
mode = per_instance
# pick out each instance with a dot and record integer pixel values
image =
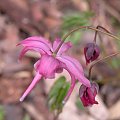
(74, 68)
(73, 82)
(36, 65)
(56, 43)
(47, 66)
(31, 86)
(65, 46)
(25, 49)
(38, 44)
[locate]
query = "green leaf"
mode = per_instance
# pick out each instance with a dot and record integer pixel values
(57, 85)
(57, 94)
(62, 93)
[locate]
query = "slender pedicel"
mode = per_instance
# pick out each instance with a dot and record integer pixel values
(97, 32)
(98, 61)
(84, 27)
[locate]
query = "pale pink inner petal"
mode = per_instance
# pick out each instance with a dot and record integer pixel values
(75, 69)
(31, 86)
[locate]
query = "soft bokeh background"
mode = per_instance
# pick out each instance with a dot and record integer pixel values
(54, 18)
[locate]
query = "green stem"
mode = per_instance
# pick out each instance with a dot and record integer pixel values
(100, 60)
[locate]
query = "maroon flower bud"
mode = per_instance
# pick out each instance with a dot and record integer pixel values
(91, 52)
(88, 94)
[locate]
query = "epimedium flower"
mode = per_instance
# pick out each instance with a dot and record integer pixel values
(50, 62)
(91, 52)
(88, 94)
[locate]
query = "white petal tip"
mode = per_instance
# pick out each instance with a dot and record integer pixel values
(63, 102)
(21, 99)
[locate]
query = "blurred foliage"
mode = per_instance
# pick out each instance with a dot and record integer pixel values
(2, 113)
(26, 117)
(57, 94)
(115, 63)
(74, 20)
(115, 22)
(79, 104)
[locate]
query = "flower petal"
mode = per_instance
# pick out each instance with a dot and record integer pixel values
(56, 43)
(36, 65)
(25, 49)
(47, 66)
(88, 94)
(64, 47)
(31, 86)
(92, 52)
(38, 44)
(74, 68)
(73, 82)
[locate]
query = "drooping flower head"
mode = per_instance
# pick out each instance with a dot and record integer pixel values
(88, 94)
(91, 52)
(50, 63)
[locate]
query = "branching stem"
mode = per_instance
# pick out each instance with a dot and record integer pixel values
(85, 27)
(100, 60)
(97, 32)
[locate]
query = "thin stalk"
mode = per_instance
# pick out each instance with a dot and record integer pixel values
(100, 60)
(83, 27)
(57, 115)
(97, 32)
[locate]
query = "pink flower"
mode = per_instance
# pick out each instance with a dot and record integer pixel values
(51, 63)
(88, 94)
(91, 52)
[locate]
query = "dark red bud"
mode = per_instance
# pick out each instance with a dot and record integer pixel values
(91, 52)
(88, 94)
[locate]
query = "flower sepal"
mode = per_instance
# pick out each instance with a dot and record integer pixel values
(91, 52)
(88, 94)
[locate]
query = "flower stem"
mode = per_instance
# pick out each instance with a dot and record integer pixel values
(100, 60)
(97, 32)
(85, 27)
(57, 114)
